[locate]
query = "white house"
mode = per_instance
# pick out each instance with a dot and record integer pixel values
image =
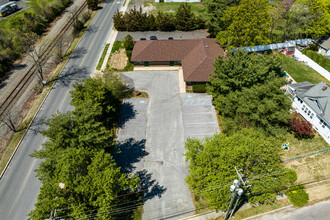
(312, 101)
(179, 1)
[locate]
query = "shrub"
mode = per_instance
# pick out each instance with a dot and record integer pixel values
(314, 47)
(200, 88)
(128, 43)
(304, 51)
(129, 54)
(92, 4)
(78, 25)
(317, 59)
(297, 195)
(323, 63)
(86, 16)
(301, 127)
(310, 54)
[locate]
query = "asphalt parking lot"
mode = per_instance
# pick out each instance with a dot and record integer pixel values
(199, 116)
(151, 140)
(198, 34)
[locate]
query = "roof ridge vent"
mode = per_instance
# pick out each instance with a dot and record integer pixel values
(324, 88)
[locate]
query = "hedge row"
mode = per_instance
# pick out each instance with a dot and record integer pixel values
(136, 20)
(318, 58)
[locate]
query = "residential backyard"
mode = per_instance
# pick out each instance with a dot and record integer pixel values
(300, 72)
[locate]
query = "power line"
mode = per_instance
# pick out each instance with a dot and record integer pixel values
(174, 197)
(167, 199)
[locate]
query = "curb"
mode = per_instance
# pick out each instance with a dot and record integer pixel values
(266, 213)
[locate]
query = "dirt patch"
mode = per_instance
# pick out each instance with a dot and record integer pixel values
(118, 60)
(311, 168)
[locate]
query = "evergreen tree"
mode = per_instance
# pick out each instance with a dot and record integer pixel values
(165, 22)
(184, 18)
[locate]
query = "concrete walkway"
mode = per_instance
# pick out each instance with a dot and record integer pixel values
(309, 62)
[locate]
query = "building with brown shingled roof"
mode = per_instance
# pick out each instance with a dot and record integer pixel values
(196, 56)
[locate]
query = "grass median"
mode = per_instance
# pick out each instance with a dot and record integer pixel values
(99, 65)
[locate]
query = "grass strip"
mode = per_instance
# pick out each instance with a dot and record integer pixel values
(99, 65)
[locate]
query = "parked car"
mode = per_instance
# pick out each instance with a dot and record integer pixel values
(8, 8)
(170, 38)
(143, 38)
(153, 38)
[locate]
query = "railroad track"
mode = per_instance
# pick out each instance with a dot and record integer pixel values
(27, 77)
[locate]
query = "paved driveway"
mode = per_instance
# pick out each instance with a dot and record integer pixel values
(157, 157)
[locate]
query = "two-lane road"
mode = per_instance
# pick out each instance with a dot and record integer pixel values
(19, 187)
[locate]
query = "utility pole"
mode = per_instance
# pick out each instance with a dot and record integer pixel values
(235, 189)
(51, 215)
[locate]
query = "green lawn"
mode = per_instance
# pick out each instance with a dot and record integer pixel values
(304, 146)
(300, 72)
(196, 7)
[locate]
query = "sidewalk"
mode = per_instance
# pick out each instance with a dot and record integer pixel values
(111, 39)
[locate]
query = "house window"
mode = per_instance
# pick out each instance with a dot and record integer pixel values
(309, 112)
(303, 107)
(312, 115)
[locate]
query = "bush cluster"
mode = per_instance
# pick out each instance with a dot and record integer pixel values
(129, 44)
(200, 88)
(319, 59)
(136, 20)
(301, 127)
(297, 195)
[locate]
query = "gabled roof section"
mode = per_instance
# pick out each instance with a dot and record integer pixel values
(162, 50)
(196, 55)
(316, 96)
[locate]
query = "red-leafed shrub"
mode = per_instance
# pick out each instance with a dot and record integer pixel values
(301, 127)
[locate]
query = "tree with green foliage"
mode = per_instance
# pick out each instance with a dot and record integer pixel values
(105, 92)
(246, 90)
(319, 24)
(212, 162)
(118, 21)
(78, 174)
(184, 18)
(240, 70)
(165, 21)
(128, 43)
(92, 4)
(248, 24)
(215, 11)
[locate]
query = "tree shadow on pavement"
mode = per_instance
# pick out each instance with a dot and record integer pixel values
(129, 82)
(68, 75)
(129, 153)
(150, 187)
(127, 113)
